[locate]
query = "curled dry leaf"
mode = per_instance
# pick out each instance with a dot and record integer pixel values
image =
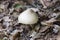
(14, 34)
(56, 28)
(48, 3)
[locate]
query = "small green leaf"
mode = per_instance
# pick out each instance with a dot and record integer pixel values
(17, 6)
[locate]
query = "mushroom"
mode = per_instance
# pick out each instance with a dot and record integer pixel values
(28, 17)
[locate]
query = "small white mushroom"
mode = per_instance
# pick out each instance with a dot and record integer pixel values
(28, 17)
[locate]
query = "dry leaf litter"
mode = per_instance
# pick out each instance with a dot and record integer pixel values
(42, 22)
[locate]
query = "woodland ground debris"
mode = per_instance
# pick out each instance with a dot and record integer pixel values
(46, 28)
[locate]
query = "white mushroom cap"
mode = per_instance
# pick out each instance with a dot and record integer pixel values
(28, 17)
